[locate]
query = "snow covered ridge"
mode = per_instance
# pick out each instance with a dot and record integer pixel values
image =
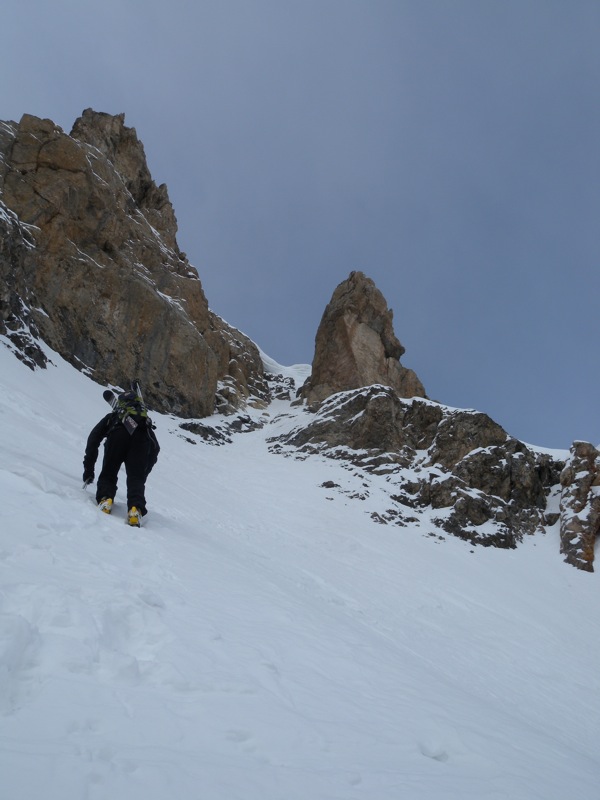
(263, 637)
(433, 469)
(481, 484)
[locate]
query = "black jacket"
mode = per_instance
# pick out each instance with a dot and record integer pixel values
(103, 429)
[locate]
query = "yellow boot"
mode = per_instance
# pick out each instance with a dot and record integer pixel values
(134, 517)
(105, 505)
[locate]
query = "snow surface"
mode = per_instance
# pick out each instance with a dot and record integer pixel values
(261, 638)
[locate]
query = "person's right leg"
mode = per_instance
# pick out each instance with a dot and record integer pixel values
(136, 464)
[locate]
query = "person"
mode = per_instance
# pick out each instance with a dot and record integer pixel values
(137, 450)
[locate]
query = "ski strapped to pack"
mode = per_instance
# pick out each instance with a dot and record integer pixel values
(129, 406)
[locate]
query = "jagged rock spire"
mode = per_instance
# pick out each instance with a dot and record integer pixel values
(356, 345)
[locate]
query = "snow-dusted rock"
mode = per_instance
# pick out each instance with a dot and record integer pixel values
(580, 505)
(488, 487)
(89, 262)
(16, 322)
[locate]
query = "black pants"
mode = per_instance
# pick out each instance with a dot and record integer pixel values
(133, 451)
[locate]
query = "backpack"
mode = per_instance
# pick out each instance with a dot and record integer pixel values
(131, 410)
(131, 404)
(128, 408)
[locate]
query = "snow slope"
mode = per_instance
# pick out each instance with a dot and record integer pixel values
(263, 639)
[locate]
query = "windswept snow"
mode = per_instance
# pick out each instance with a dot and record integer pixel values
(263, 639)
(298, 372)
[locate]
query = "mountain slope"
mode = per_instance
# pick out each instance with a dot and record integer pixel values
(89, 263)
(262, 637)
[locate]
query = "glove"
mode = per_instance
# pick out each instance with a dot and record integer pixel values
(88, 477)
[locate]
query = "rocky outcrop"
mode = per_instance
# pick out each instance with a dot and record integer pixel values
(89, 264)
(580, 506)
(356, 345)
(482, 484)
(16, 322)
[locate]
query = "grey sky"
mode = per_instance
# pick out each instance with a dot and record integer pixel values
(447, 148)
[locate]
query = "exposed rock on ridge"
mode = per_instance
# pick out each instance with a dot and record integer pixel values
(356, 345)
(483, 485)
(89, 263)
(580, 506)
(16, 321)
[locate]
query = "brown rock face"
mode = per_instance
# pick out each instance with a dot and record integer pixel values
(580, 506)
(356, 345)
(16, 322)
(89, 263)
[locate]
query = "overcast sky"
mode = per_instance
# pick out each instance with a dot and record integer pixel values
(450, 149)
